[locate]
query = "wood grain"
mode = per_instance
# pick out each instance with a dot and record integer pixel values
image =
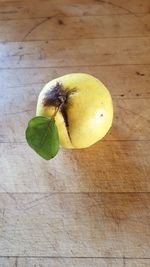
(109, 166)
(105, 225)
(13, 9)
(137, 263)
(75, 53)
(65, 28)
(60, 262)
(73, 262)
(122, 81)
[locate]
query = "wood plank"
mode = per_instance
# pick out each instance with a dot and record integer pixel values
(137, 263)
(123, 81)
(75, 225)
(60, 262)
(75, 53)
(64, 28)
(105, 167)
(13, 9)
(75, 262)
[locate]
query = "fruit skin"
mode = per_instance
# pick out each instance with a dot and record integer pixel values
(89, 110)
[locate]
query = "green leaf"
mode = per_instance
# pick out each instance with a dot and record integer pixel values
(42, 136)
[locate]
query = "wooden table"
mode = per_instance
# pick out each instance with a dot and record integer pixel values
(84, 208)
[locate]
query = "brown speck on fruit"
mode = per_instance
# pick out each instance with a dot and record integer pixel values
(137, 94)
(122, 95)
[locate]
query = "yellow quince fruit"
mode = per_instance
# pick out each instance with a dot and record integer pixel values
(82, 107)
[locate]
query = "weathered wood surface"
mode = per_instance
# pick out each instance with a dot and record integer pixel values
(60, 262)
(106, 167)
(127, 81)
(75, 225)
(74, 262)
(88, 207)
(12, 9)
(137, 263)
(82, 52)
(65, 28)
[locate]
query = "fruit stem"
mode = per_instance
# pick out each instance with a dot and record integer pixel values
(56, 110)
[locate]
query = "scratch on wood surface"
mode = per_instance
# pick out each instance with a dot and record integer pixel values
(17, 112)
(118, 6)
(3, 212)
(7, 239)
(8, 193)
(36, 203)
(95, 203)
(36, 26)
(12, 143)
(3, 220)
(124, 262)
(16, 262)
(133, 112)
(50, 242)
(20, 57)
(8, 12)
